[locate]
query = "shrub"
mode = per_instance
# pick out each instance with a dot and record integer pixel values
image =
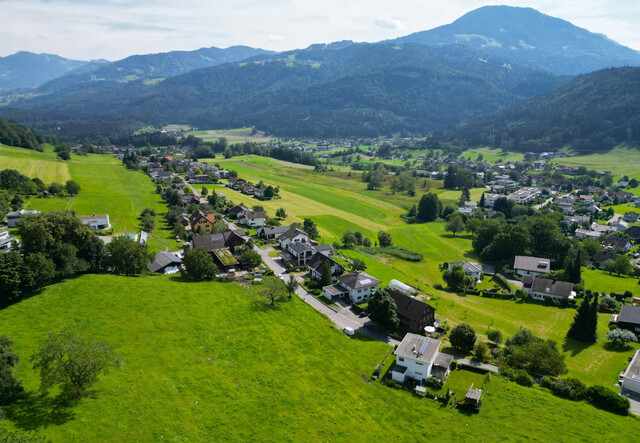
(569, 388)
(621, 336)
(502, 281)
(438, 286)
(604, 398)
(548, 301)
(435, 382)
(547, 382)
(523, 379)
(508, 372)
(453, 365)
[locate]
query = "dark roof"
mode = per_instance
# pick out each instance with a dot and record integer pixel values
(212, 242)
(407, 306)
(358, 280)
(317, 262)
(527, 280)
(551, 287)
(534, 264)
(616, 242)
(253, 215)
(236, 209)
(324, 247)
(291, 233)
(300, 247)
(602, 256)
(633, 232)
(162, 260)
(443, 360)
(275, 230)
(629, 314)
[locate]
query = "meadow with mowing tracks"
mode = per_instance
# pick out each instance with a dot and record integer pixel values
(306, 193)
(622, 160)
(236, 135)
(107, 187)
(201, 361)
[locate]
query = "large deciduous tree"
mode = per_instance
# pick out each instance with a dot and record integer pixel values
(463, 337)
(126, 256)
(382, 310)
(198, 265)
(429, 208)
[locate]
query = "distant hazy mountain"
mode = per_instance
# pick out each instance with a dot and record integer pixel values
(29, 70)
(591, 113)
(149, 67)
(531, 39)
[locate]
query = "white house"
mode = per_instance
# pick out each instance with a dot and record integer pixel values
(533, 266)
(7, 242)
(96, 222)
(631, 377)
(586, 233)
(357, 286)
(293, 235)
(541, 288)
(523, 195)
(418, 357)
(14, 217)
(490, 199)
(470, 268)
(253, 219)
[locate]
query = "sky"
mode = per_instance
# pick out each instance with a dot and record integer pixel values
(114, 29)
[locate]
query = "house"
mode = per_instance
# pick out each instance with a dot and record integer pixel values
(533, 266)
(165, 263)
(633, 232)
(201, 222)
(191, 198)
(602, 229)
(541, 288)
(586, 233)
(298, 254)
(470, 268)
(631, 377)
(293, 235)
(325, 249)
(619, 225)
(316, 265)
(490, 199)
(602, 256)
(594, 209)
(629, 318)
(523, 195)
(7, 242)
(14, 217)
(253, 219)
(231, 239)
(271, 233)
(357, 286)
(565, 205)
(413, 314)
(473, 398)
(631, 217)
(96, 222)
(618, 244)
(418, 358)
(237, 211)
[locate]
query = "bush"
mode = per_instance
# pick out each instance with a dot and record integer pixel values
(435, 382)
(621, 336)
(569, 388)
(438, 286)
(523, 379)
(453, 365)
(547, 382)
(502, 281)
(604, 398)
(463, 337)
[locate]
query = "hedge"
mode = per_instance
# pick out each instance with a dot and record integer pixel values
(605, 398)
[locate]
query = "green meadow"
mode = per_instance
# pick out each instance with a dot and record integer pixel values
(201, 361)
(622, 160)
(236, 135)
(107, 187)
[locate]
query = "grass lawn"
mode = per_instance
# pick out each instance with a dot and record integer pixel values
(602, 281)
(237, 135)
(459, 381)
(200, 361)
(493, 155)
(622, 160)
(107, 187)
(44, 165)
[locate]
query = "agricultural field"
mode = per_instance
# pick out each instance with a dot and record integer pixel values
(201, 361)
(107, 187)
(622, 160)
(493, 155)
(237, 135)
(45, 165)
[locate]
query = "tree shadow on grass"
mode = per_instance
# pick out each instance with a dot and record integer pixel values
(575, 346)
(36, 410)
(612, 347)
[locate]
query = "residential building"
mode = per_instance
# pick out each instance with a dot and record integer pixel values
(231, 239)
(618, 244)
(594, 209)
(541, 288)
(298, 254)
(253, 219)
(619, 225)
(631, 217)
(271, 233)
(524, 195)
(165, 263)
(201, 222)
(470, 268)
(316, 266)
(238, 210)
(633, 232)
(14, 217)
(417, 357)
(629, 318)
(357, 286)
(602, 256)
(96, 222)
(413, 314)
(7, 242)
(490, 199)
(533, 266)
(631, 377)
(587, 233)
(293, 235)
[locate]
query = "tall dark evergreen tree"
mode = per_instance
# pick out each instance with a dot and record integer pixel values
(592, 326)
(326, 278)
(481, 203)
(579, 327)
(429, 207)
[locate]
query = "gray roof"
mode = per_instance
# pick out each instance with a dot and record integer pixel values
(300, 247)
(333, 289)
(468, 266)
(473, 394)
(276, 230)
(551, 287)
(534, 264)
(324, 247)
(212, 242)
(317, 262)
(443, 360)
(253, 215)
(162, 260)
(291, 233)
(412, 344)
(633, 371)
(358, 280)
(629, 314)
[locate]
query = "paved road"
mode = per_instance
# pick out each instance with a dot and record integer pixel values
(193, 188)
(543, 204)
(341, 317)
(477, 364)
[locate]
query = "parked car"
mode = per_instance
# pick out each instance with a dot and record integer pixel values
(363, 314)
(349, 331)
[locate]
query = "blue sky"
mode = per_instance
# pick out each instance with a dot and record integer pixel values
(114, 29)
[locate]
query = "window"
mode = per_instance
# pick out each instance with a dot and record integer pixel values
(419, 364)
(401, 358)
(418, 373)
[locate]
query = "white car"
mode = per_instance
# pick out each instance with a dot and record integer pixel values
(349, 331)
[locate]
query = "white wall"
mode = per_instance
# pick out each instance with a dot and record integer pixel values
(631, 385)
(417, 370)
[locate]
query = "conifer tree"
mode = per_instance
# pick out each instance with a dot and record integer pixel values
(326, 278)
(481, 203)
(592, 326)
(579, 327)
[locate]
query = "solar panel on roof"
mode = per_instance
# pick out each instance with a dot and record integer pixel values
(366, 281)
(423, 347)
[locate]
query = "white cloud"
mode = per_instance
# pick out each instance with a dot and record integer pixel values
(387, 22)
(275, 38)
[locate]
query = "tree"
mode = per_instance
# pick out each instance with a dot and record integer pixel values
(348, 239)
(455, 224)
(251, 257)
(10, 387)
(358, 265)
(292, 285)
(72, 361)
(465, 196)
(609, 266)
(538, 357)
(481, 351)
(272, 290)
(463, 337)
(382, 310)
(456, 279)
(366, 242)
(281, 213)
(621, 336)
(429, 207)
(574, 268)
(582, 328)
(310, 228)
(326, 278)
(623, 266)
(126, 256)
(481, 203)
(495, 336)
(204, 191)
(384, 239)
(148, 223)
(198, 265)
(72, 187)
(395, 185)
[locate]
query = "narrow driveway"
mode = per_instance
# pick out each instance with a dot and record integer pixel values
(543, 204)
(341, 317)
(477, 364)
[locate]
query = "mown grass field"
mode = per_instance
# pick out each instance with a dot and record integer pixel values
(622, 160)
(34, 164)
(602, 281)
(306, 193)
(106, 187)
(236, 135)
(493, 155)
(201, 362)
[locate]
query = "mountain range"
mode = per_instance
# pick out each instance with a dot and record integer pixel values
(454, 76)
